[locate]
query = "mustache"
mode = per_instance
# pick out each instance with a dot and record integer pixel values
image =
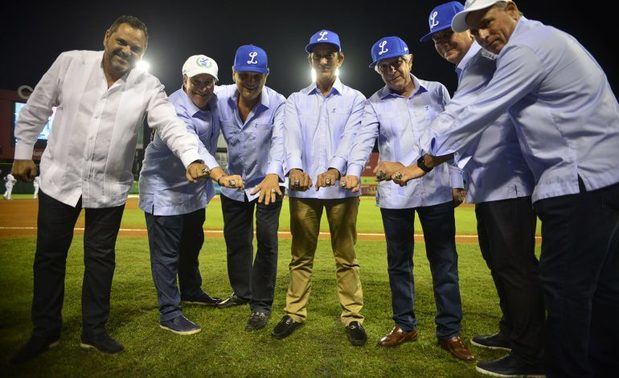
(123, 55)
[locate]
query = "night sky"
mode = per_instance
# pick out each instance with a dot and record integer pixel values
(33, 36)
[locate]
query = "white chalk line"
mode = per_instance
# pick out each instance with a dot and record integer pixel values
(220, 232)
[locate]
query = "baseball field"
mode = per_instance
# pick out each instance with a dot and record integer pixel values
(224, 348)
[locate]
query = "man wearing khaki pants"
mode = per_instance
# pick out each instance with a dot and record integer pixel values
(319, 125)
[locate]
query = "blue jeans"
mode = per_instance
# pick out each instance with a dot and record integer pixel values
(439, 233)
(175, 242)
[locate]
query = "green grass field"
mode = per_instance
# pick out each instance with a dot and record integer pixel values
(223, 348)
(368, 220)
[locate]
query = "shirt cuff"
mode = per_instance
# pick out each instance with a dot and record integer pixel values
(457, 181)
(189, 157)
(210, 161)
(23, 151)
(276, 168)
(354, 170)
(339, 164)
(294, 163)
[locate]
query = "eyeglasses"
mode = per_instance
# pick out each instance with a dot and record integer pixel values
(386, 66)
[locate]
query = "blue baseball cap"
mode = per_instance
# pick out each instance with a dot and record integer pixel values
(440, 18)
(251, 58)
(323, 36)
(388, 47)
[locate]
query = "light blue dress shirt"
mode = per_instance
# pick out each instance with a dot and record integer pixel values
(256, 146)
(164, 189)
(319, 133)
(496, 170)
(566, 115)
(399, 124)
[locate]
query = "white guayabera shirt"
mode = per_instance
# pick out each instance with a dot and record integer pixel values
(91, 146)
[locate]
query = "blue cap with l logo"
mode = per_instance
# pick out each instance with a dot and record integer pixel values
(440, 18)
(388, 47)
(323, 36)
(251, 58)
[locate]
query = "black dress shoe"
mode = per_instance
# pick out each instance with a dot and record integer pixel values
(496, 341)
(356, 334)
(232, 301)
(257, 320)
(103, 343)
(202, 299)
(510, 366)
(34, 347)
(285, 327)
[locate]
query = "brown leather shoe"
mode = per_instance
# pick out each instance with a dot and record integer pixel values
(456, 347)
(396, 337)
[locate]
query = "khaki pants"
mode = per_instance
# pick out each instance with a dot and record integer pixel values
(305, 217)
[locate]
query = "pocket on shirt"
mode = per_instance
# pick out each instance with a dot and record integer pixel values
(231, 132)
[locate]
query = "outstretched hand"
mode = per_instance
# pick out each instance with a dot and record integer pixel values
(197, 171)
(350, 183)
(327, 178)
(269, 189)
(299, 180)
(404, 175)
(385, 170)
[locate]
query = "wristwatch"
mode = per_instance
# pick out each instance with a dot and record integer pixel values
(421, 163)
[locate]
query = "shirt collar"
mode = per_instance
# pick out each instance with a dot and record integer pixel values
(520, 26)
(337, 88)
(387, 92)
(467, 57)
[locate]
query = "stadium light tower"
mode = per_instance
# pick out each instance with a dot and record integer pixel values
(142, 65)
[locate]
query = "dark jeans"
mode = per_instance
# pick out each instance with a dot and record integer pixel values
(439, 233)
(506, 232)
(175, 242)
(579, 271)
(54, 235)
(254, 282)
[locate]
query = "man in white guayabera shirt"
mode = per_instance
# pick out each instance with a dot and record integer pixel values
(101, 102)
(567, 121)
